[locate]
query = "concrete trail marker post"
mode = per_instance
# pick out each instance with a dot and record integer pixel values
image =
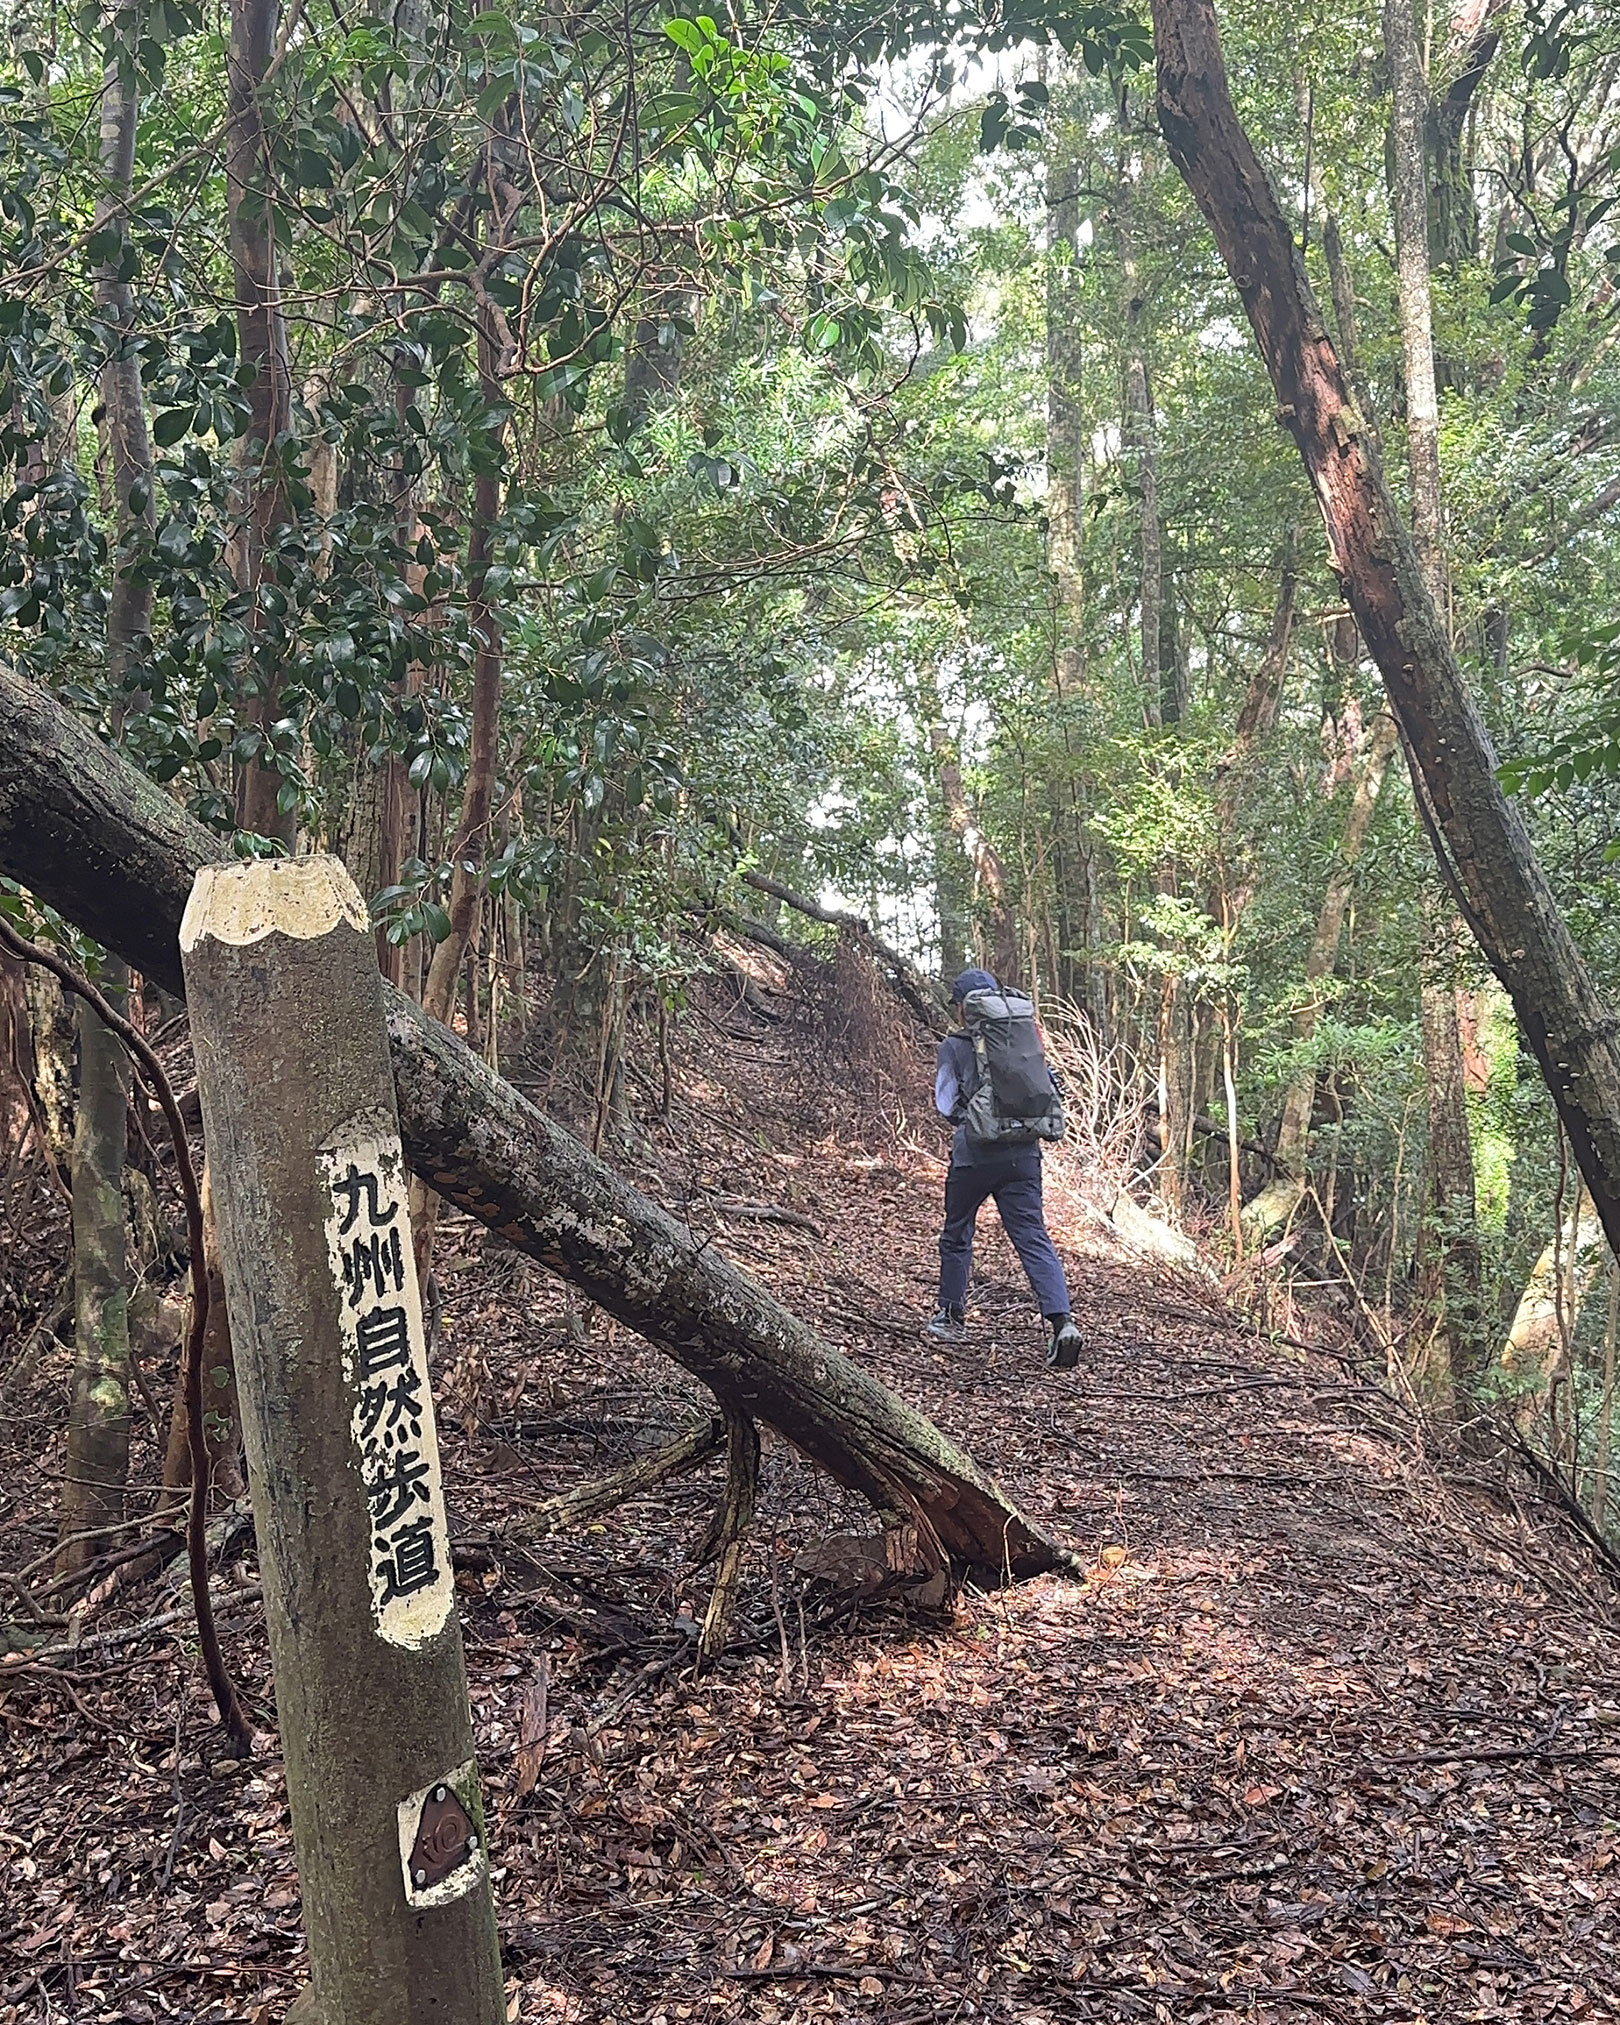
(337, 1418)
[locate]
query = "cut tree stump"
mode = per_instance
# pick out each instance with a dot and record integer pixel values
(88, 833)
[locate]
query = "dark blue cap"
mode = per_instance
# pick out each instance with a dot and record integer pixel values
(971, 980)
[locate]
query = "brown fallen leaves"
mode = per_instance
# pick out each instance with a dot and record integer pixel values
(1316, 1737)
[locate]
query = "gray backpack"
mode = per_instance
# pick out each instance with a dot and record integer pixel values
(1014, 1101)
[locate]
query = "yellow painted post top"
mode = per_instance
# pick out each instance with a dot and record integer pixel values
(301, 897)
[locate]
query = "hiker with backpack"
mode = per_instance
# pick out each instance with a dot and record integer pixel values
(994, 1084)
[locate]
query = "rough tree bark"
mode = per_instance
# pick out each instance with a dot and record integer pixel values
(1479, 838)
(85, 831)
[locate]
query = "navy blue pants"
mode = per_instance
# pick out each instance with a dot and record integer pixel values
(1016, 1187)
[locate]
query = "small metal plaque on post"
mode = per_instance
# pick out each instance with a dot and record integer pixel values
(440, 1847)
(445, 1837)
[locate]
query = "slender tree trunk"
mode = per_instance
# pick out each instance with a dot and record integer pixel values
(123, 408)
(467, 849)
(1450, 1271)
(262, 342)
(1272, 1207)
(1141, 424)
(222, 1429)
(1409, 102)
(1479, 838)
(1605, 1429)
(1076, 972)
(990, 875)
(1177, 1107)
(96, 1471)
(478, 791)
(1450, 1275)
(1065, 414)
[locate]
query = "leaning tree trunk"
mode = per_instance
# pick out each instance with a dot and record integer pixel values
(95, 1474)
(99, 841)
(1480, 840)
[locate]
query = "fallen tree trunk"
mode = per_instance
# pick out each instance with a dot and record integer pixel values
(88, 834)
(925, 997)
(1480, 842)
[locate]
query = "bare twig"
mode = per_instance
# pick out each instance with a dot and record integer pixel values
(131, 1633)
(768, 1212)
(603, 1494)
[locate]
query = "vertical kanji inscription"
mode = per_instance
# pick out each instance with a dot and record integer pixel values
(385, 1363)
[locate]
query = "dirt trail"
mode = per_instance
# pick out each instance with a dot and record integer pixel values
(1318, 1737)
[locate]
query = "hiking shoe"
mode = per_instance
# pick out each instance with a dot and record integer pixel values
(1063, 1349)
(948, 1326)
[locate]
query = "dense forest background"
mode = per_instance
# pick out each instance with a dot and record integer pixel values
(612, 474)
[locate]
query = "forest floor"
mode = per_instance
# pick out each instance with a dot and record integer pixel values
(1323, 1733)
